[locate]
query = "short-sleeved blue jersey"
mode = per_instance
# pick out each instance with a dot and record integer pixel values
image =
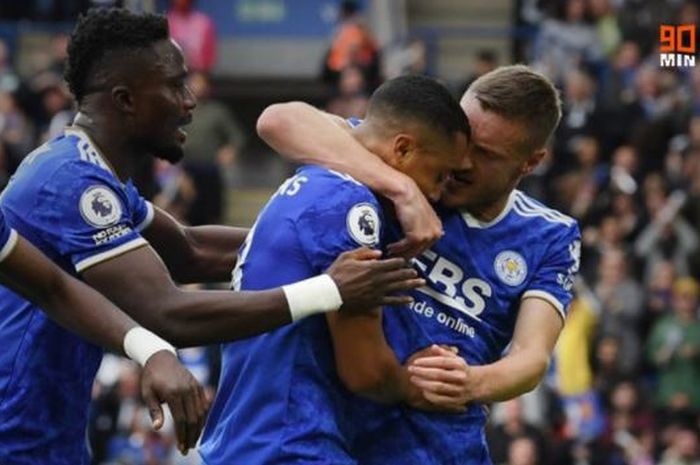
(477, 275)
(279, 399)
(66, 201)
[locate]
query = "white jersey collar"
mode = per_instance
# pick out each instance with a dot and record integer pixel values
(474, 222)
(93, 152)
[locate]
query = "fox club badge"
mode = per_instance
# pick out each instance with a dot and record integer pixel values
(100, 207)
(363, 224)
(510, 267)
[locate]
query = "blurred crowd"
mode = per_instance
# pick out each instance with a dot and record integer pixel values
(624, 385)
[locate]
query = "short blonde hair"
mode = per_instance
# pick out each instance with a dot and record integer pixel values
(520, 93)
(686, 286)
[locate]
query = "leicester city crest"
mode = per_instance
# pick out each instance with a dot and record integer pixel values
(100, 207)
(363, 224)
(510, 267)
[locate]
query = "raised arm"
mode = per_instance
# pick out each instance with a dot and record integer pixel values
(304, 134)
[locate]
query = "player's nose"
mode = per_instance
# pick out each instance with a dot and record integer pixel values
(189, 101)
(466, 163)
(436, 193)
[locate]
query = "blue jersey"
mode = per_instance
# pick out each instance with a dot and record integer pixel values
(279, 399)
(66, 201)
(476, 275)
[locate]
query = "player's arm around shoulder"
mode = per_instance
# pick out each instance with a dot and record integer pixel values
(304, 134)
(539, 322)
(541, 318)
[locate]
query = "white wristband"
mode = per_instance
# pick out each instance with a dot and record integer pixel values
(140, 344)
(314, 295)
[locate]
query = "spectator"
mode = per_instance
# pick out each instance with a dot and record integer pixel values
(523, 451)
(485, 60)
(668, 236)
(621, 303)
(16, 129)
(625, 165)
(607, 28)
(139, 445)
(568, 42)
(624, 207)
(513, 427)
(176, 191)
(658, 294)
(627, 411)
(9, 81)
(608, 366)
(630, 426)
(353, 45)
(684, 449)
(410, 58)
(58, 106)
(582, 117)
(580, 186)
(652, 112)
(619, 83)
(674, 347)
(574, 373)
(194, 31)
(214, 140)
(351, 98)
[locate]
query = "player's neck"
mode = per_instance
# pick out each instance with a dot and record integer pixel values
(489, 212)
(113, 147)
(366, 135)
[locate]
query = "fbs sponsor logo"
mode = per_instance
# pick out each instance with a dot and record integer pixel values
(677, 46)
(449, 284)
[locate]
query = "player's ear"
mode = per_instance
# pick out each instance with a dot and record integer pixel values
(123, 99)
(404, 146)
(532, 161)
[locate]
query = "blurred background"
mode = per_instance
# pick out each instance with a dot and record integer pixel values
(624, 387)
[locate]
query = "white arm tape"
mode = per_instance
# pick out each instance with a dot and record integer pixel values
(140, 344)
(314, 295)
